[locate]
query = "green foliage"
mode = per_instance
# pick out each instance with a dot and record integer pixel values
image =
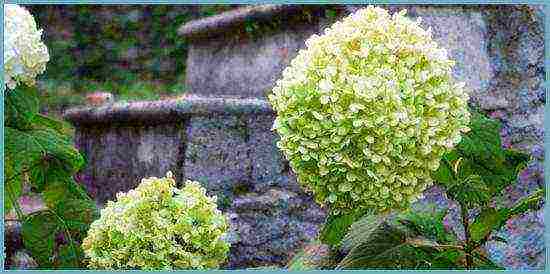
(479, 168)
(335, 227)
(391, 242)
(38, 232)
(91, 45)
(491, 219)
(404, 240)
(21, 107)
(40, 153)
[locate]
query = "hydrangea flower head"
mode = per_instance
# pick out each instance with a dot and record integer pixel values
(158, 226)
(366, 111)
(25, 56)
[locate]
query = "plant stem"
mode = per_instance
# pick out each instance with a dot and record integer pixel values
(68, 233)
(466, 225)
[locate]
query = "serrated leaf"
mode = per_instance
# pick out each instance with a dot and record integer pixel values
(488, 220)
(406, 240)
(38, 232)
(395, 247)
(429, 224)
(30, 146)
(483, 139)
(470, 191)
(77, 214)
(38, 176)
(483, 167)
(56, 192)
(57, 125)
(491, 219)
(20, 106)
(23, 152)
(49, 170)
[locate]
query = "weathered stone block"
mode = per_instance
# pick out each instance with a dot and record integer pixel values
(244, 64)
(217, 154)
(119, 157)
(269, 167)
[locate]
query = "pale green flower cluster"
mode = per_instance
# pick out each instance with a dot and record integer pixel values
(25, 56)
(366, 111)
(158, 226)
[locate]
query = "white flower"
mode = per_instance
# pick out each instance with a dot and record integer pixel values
(25, 56)
(325, 85)
(377, 119)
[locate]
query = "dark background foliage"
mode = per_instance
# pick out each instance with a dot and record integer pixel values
(132, 51)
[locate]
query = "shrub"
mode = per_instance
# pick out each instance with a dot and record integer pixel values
(366, 111)
(158, 226)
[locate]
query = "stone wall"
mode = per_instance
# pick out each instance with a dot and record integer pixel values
(226, 144)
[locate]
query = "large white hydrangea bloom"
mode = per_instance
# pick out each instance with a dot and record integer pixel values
(366, 111)
(25, 56)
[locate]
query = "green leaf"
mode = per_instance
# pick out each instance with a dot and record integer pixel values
(531, 202)
(406, 240)
(57, 125)
(392, 248)
(429, 224)
(336, 227)
(491, 219)
(50, 171)
(77, 214)
(394, 243)
(13, 184)
(488, 220)
(361, 230)
(38, 232)
(23, 152)
(20, 106)
(67, 258)
(62, 190)
(479, 168)
(470, 191)
(28, 147)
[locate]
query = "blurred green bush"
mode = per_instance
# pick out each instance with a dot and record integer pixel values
(132, 51)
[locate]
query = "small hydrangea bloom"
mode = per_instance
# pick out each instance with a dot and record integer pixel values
(366, 111)
(158, 226)
(25, 55)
